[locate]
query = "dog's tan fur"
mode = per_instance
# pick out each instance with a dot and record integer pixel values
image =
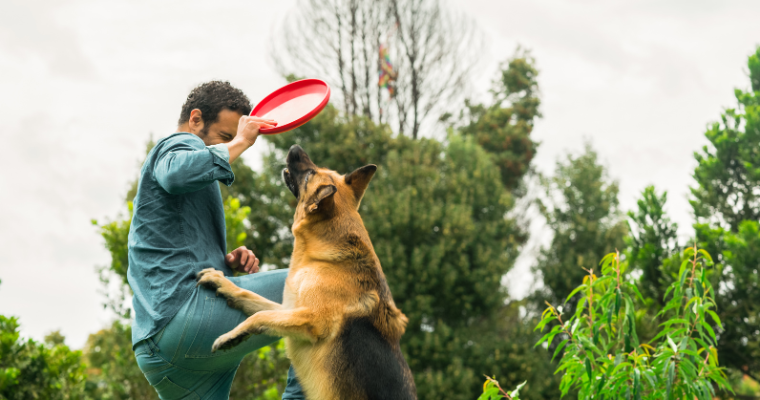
(334, 278)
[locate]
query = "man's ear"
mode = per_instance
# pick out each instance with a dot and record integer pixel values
(323, 198)
(359, 180)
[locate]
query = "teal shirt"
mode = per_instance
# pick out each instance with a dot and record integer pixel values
(177, 227)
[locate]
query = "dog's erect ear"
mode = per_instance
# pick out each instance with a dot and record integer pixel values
(323, 198)
(359, 179)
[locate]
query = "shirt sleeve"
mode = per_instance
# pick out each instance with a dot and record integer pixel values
(185, 165)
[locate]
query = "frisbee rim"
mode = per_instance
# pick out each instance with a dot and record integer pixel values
(303, 119)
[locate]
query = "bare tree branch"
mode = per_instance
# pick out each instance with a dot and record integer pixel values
(433, 52)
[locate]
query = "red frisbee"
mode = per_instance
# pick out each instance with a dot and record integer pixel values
(293, 104)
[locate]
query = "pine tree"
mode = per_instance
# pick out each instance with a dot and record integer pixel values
(726, 203)
(652, 240)
(581, 208)
(503, 128)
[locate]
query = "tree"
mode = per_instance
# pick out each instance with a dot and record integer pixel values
(581, 208)
(32, 370)
(503, 128)
(728, 173)
(651, 241)
(432, 51)
(112, 367)
(726, 203)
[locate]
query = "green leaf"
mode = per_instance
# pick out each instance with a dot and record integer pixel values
(576, 290)
(672, 344)
(588, 368)
(491, 393)
(516, 392)
(636, 290)
(707, 256)
(559, 348)
(636, 384)
(715, 318)
(670, 374)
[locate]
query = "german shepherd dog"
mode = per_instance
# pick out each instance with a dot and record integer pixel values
(338, 318)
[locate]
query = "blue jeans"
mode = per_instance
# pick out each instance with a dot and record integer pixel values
(178, 362)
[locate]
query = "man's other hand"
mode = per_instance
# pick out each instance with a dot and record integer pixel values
(242, 260)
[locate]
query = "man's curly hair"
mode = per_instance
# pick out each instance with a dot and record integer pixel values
(212, 97)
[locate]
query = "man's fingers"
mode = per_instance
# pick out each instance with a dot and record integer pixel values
(251, 261)
(229, 259)
(243, 259)
(255, 267)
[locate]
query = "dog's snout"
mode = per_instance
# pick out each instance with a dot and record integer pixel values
(295, 154)
(297, 159)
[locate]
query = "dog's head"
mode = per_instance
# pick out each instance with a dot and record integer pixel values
(322, 192)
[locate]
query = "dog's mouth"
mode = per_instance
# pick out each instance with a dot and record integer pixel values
(289, 182)
(299, 168)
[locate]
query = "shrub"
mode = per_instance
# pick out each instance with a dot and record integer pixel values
(601, 356)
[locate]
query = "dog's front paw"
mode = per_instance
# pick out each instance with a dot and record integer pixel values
(229, 340)
(210, 278)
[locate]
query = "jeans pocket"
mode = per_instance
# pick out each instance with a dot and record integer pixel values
(168, 390)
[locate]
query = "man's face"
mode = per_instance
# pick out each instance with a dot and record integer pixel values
(221, 131)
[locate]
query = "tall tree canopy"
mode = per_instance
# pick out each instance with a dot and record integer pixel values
(581, 209)
(726, 202)
(651, 242)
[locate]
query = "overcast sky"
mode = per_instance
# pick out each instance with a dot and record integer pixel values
(83, 84)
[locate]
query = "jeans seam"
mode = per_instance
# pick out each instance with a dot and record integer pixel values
(184, 329)
(204, 326)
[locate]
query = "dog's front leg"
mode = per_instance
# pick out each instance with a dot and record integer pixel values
(244, 300)
(297, 323)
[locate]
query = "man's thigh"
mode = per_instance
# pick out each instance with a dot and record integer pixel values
(212, 318)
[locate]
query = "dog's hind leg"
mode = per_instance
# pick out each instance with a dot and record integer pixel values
(298, 323)
(244, 300)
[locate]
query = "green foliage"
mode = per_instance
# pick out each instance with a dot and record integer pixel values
(493, 391)
(112, 369)
(581, 208)
(115, 235)
(32, 370)
(262, 374)
(726, 203)
(729, 167)
(235, 222)
(651, 241)
(504, 131)
(603, 356)
(739, 304)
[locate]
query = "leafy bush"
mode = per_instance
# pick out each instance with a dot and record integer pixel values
(601, 356)
(32, 370)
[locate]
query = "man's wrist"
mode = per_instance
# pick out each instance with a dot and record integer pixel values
(237, 146)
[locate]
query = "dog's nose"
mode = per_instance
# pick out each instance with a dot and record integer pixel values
(295, 154)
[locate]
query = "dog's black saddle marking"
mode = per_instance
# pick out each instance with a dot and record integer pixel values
(372, 368)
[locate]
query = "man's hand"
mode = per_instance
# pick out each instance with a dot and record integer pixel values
(247, 132)
(242, 260)
(248, 128)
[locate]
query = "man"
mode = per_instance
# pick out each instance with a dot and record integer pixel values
(177, 230)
